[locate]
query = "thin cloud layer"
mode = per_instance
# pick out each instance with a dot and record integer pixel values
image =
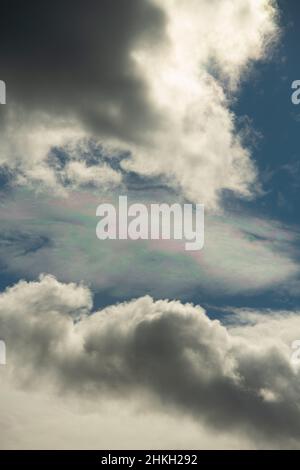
(241, 254)
(233, 379)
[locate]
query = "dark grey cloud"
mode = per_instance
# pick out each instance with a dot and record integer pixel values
(72, 58)
(166, 351)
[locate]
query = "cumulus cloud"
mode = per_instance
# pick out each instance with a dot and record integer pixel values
(169, 354)
(154, 78)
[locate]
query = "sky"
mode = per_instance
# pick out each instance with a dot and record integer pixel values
(141, 344)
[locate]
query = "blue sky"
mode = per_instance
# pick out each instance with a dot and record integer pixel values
(266, 99)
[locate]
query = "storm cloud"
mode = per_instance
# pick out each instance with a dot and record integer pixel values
(73, 58)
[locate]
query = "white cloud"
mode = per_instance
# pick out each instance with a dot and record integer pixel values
(81, 175)
(157, 354)
(197, 146)
(26, 150)
(189, 76)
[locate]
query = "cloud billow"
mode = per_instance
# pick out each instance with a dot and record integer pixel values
(235, 378)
